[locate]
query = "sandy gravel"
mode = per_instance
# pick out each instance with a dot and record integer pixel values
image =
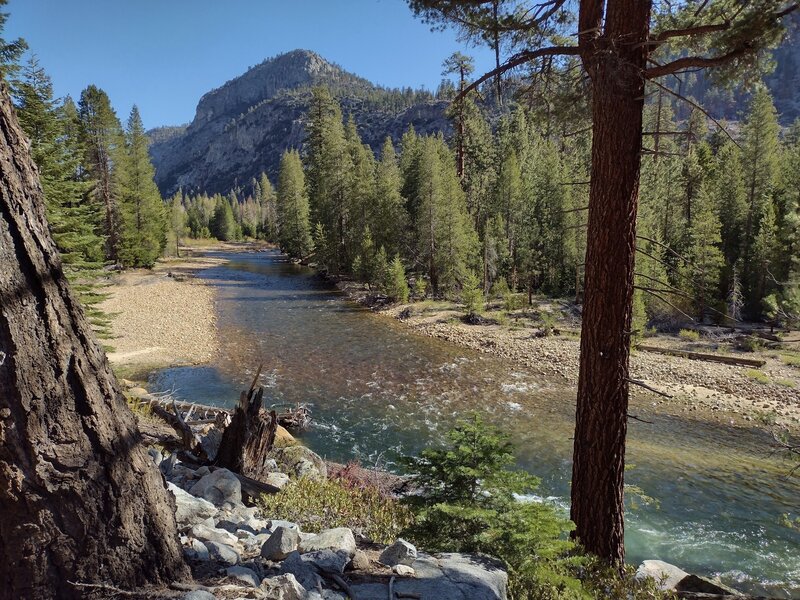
(710, 390)
(162, 317)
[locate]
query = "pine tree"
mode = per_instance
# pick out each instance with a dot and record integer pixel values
(71, 214)
(361, 206)
(396, 283)
(390, 219)
(101, 137)
(143, 219)
(10, 52)
(223, 223)
(727, 187)
(267, 199)
(292, 207)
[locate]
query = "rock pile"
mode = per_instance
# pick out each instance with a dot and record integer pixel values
(237, 552)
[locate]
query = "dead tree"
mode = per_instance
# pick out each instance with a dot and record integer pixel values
(81, 501)
(249, 437)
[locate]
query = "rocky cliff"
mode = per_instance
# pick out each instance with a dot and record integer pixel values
(241, 129)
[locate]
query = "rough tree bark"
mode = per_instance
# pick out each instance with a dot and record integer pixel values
(614, 54)
(80, 499)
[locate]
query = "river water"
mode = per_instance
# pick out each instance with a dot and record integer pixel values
(378, 390)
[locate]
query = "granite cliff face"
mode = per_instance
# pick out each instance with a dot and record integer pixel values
(241, 129)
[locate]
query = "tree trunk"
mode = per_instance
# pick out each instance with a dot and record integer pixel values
(81, 500)
(614, 61)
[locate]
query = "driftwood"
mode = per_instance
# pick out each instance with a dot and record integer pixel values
(190, 440)
(728, 360)
(248, 439)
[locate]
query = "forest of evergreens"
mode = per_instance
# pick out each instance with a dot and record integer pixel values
(719, 224)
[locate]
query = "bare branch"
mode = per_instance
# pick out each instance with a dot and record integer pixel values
(641, 383)
(703, 62)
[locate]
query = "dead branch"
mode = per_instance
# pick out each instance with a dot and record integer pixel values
(641, 383)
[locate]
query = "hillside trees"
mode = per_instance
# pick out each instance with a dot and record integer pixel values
(292, 208)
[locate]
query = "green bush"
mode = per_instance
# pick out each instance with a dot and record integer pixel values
(500, 289)
(468, 504)
(757, 375)
(420, 288)
(515, 301)
(689, 335)
(325, 504)
(396, 286)
(791, 360)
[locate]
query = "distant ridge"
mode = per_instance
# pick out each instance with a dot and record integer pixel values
(241, 128)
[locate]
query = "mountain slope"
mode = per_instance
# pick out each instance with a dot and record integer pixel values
(241, 129)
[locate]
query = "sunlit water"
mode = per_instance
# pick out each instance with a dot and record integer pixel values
(378, 390)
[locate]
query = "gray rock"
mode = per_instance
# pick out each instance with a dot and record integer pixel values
(300, 462)
(275, 523)
(190, 510)
(222, 553)
(234, 526)
(485, 575)
(279, 480)
(198, 595)
(283, 587)
(211, 441)
(302, 570)
(360, 561)
(280, 544)
(403, 570)
(156, 456)
(399, 553)
(212, 534)
(271, 465)
(340, 538)
(702, 585)
(220, 487)
(196, 550)
(244, 575)
(666, 575)
(328, 561)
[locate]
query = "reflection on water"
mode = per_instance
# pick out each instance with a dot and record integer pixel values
(378, 390)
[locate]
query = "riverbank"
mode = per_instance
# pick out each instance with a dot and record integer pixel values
(744, 396)
(164, 316)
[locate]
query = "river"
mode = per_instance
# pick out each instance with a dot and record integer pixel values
(378, 390)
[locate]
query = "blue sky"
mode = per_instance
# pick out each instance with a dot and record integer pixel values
(163, 55)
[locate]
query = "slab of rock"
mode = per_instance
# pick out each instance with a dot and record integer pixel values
(280, 544)
(190, 510)
(222, 553)
(399, 553)
(403, 570)
(198, 595)
(340, 538)
(300, 462)
(212, 534)
(220, 487)
(445, 577)
(244, 575)
(702, 585)
(666, 575)
(283, 587)
(302, 570)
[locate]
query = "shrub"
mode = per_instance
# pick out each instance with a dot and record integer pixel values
(791, 360)
(757, 375)
(420, 288)
(786, 383)
(689, 335)
(515, 301)
(318, 505)
(468, 504)
(499, 289)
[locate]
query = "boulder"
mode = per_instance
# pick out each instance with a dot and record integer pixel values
(399, 553)
(198, 595)
(666, 575)
(403, 570)
(244, 575)
(212, 534)
(340, 538)
(283, 587)
(703, 585)
(485, 575)
(360, 561)
(328, 561)
(190, 510)
(275, 523)
(279, 480)
(196, 550)
(220, 487)
(280, 544)
(300, 462)
(302, 570)
(222, 553)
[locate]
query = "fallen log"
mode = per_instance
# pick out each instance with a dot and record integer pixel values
(728, 360)
(190, 440)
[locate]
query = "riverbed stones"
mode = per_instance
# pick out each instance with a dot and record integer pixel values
(283, 587)
(222, 553)
(213, 534)
(190, 510)
(220, 487)
(280, 544)
(399, 553)
(243, 575)
(328, 561)
(340, 538)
